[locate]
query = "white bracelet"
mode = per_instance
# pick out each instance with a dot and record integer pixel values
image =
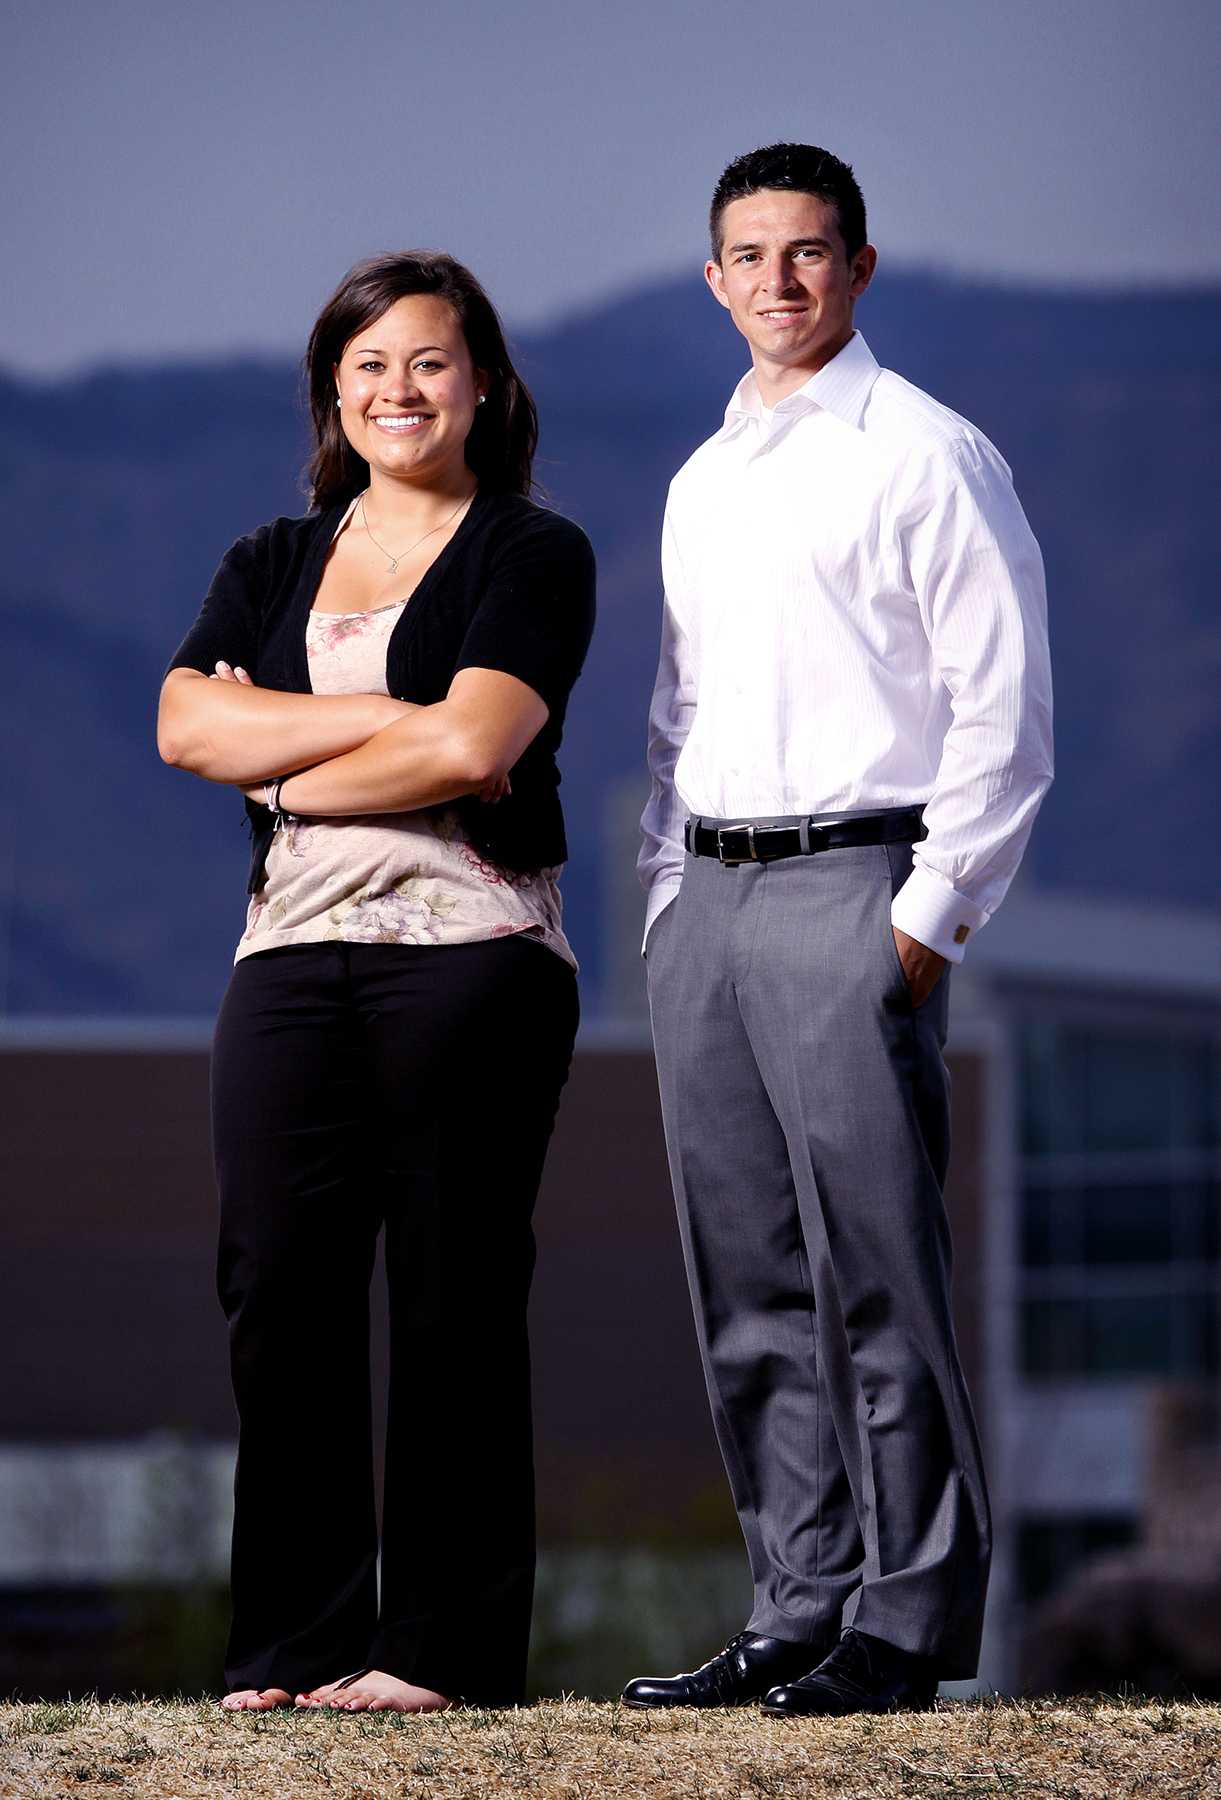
(271, 797)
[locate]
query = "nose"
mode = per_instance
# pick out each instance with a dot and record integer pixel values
(779, 275)
(399, 386)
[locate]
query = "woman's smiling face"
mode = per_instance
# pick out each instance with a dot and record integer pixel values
(409, 390)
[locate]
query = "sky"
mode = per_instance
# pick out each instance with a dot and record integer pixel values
(194, 180)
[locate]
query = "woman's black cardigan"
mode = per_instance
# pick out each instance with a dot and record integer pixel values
(512, 590)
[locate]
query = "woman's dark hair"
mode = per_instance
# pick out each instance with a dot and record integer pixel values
(802, 167)
(504, 435)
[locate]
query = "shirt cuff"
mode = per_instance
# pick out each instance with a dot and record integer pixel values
(928, 909)
(660, 895)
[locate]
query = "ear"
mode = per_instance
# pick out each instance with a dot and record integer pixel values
(714, 275)
(863, 265)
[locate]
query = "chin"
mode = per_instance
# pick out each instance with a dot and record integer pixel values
(787, 349)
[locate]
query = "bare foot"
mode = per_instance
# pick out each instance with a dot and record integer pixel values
(326, 1694)
(256, 1699)
(375, 1692)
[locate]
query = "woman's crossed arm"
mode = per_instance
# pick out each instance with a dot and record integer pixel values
(464, 744)
(231, 731)
(353, 753)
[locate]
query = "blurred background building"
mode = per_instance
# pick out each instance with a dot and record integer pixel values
(1086, 1060)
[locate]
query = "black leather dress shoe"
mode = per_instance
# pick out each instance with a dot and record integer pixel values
(861, 1674)
(743, 1671)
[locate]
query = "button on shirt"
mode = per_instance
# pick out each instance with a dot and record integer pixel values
(855, 617)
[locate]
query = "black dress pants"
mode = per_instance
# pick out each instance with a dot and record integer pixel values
(356, 1085)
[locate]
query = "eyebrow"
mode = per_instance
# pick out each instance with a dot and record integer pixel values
(804, 243)
(372, 350)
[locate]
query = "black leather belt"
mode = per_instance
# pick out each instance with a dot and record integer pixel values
(767, 840)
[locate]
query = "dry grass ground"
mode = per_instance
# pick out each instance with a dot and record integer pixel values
(583, 1751)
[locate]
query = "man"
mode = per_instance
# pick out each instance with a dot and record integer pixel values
(849, 740)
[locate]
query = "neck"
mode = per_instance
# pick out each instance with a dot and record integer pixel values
(399, 503)
(776, 381)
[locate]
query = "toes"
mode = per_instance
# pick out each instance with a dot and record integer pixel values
(332, 1694)
(319, 1696)
(254, 1699)
(373, 1697)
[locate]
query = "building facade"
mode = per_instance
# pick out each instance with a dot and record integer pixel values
(1084, 1199)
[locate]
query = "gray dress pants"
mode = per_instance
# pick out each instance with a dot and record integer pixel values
(806, 1111)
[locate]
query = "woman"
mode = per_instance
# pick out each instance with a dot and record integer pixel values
(386, 680)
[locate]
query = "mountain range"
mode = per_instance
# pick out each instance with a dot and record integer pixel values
(121, 881)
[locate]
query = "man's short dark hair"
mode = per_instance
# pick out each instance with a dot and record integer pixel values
(805, 169)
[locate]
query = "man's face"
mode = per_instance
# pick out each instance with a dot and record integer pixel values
(786, 280)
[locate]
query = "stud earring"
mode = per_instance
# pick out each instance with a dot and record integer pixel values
(481, 400)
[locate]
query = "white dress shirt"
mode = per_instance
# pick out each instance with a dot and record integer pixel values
(855, 617)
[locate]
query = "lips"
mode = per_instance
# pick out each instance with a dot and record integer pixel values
(401, 424)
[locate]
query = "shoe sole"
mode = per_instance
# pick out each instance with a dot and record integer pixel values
(689, 1705)
(877, 1712)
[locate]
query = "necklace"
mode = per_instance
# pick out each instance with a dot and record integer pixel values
(394, 561)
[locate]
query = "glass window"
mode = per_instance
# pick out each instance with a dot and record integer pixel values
(1158, 1223)
(1120, 1211)
(1088, 1090)
(1043, 1233)
(1053, 1338)
(1119, 1223)
(1120, 1336)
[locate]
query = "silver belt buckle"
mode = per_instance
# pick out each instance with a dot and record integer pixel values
(731, 862)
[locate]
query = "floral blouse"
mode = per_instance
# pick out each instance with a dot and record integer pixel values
(388, 878)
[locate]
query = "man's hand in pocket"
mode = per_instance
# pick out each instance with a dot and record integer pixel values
(921, 966)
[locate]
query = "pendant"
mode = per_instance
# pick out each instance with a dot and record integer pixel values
(393, 565)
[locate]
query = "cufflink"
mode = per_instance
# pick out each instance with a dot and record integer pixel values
(962, 933)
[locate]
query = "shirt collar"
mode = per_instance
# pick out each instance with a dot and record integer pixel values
(841, 386)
